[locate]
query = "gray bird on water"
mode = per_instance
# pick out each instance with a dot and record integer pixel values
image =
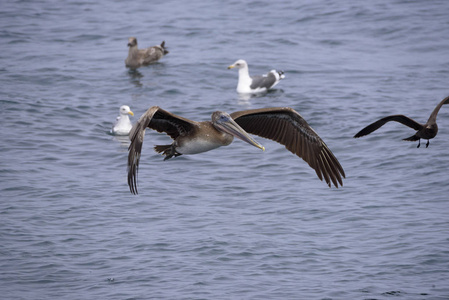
(142, 57)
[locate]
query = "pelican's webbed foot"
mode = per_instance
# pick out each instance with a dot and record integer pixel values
(427, 144)
(168, 150)
(170, 155)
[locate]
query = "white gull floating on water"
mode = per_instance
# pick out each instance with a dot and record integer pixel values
(255, 84)
(122, 124)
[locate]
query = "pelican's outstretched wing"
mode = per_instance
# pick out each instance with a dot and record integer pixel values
(161, 121)
(287, 127)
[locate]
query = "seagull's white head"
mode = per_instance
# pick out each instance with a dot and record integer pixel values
(240, 64)
(125, 110)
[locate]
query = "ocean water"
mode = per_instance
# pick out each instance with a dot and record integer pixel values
(236, 222)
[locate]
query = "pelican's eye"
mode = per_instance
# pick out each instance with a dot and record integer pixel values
(224, 118)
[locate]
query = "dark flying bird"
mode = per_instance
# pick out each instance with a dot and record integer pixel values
(142, 57)
(283, 125)
(424, 131)
(255, 84)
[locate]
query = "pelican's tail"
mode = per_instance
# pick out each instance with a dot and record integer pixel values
(168, 150)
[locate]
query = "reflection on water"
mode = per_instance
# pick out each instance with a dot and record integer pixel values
(123, 140)
(245, 97)
(135, 77)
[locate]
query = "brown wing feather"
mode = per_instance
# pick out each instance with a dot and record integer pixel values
(288, 127)
(433, 116)
(398, 118)
(161, 121)
(151, 54)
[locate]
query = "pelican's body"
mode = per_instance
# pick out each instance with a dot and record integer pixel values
(425, 131)
(283, 125)
(123, 124)
(255, 84)
(209, 140)
(142, 57)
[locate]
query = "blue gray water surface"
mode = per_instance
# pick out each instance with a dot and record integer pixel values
(236, 222)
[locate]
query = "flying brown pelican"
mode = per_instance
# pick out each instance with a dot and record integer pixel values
(424, 131)
(283, 125)
(142, 57)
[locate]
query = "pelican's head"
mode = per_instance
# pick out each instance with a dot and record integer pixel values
(223, 122)
(132, 41)
(240, 64)
(125, 110)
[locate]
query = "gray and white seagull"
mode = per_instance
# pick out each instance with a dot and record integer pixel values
(255, 84)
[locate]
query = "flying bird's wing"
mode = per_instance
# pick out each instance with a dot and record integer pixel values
(288, 127)
(433, 116)
(159, 120)
(398, 118)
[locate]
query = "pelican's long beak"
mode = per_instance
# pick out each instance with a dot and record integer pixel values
(131, 113)
(233, 128)
(231, 67)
